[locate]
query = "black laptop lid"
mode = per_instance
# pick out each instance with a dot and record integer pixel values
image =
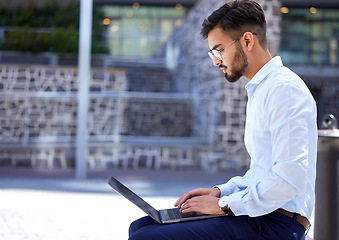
(138, 201)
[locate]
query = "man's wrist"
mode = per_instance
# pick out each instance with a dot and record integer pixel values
(218, 192)
(223, 205)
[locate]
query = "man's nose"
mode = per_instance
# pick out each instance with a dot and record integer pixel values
(216, 61)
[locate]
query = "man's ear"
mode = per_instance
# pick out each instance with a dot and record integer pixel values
(248, 40)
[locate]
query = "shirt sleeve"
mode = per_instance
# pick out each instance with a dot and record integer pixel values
(287, 110)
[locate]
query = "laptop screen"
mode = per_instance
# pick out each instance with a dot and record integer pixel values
(123, 190)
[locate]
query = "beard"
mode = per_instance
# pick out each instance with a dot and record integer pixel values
(239, 65)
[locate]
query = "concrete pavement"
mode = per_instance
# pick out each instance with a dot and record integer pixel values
(51, 204)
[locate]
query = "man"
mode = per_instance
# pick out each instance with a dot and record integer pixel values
(275, 198)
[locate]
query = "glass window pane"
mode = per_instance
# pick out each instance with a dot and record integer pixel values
(141, 32)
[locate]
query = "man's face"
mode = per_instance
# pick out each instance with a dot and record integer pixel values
(234, 61)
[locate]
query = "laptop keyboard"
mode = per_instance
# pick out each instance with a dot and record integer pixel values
(174, 213)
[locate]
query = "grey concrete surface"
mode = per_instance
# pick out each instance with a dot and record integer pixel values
(51, 204)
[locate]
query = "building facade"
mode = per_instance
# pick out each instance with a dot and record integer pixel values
(156, 100)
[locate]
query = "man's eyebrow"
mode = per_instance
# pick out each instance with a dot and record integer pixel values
(215, 46)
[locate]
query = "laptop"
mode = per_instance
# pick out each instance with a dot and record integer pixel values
(164, 216)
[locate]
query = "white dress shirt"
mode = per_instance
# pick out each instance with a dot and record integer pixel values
(281, 139)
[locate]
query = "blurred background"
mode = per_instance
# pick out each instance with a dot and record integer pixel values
(158, 115)
(155, 100)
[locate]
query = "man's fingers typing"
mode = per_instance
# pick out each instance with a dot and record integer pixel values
(182, 200)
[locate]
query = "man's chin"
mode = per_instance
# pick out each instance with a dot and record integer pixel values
(231, 79)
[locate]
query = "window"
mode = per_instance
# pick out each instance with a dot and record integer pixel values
(310, 36)
(140, 31)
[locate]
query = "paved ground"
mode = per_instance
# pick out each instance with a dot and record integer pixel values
(48, 205)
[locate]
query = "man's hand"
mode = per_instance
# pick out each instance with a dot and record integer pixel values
(204, 200)
(203, 204)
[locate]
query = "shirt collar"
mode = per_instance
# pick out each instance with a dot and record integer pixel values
(262, 74)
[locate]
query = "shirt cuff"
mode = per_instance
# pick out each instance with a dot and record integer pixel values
(236, 204)
(226, 189)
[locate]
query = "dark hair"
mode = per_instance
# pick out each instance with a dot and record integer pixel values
(237, 17)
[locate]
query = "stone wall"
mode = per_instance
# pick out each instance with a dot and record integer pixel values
(149, 79)
(323, 83)
(153, 129)
(329, 94)
(42, 101)
(157, 119)
(193, 72)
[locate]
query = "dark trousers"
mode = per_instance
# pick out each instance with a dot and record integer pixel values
(274, 226)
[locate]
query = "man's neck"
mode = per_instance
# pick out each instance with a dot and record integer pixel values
(256, 62)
